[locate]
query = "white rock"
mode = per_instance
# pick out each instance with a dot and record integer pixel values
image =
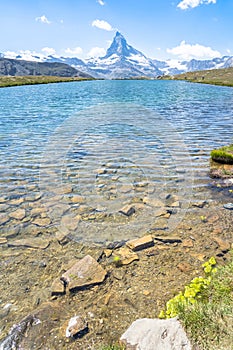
(155, 334)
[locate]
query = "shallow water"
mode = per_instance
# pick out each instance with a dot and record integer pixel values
(73, 155)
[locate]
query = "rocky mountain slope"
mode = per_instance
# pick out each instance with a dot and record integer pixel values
(15, 67)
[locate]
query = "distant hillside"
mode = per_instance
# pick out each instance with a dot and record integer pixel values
(216, 77)
(15, 67)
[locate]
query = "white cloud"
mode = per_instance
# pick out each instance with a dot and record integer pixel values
(101, 2)
(186, 4)
(97, 52)
(102, 25)
(43, 19)
(189, 51)
(25, 55)
(74, 52)
(228, 51)
(48, 51)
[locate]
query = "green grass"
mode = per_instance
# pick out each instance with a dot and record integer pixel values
(223, 155)
(7, 81)
(112, 347)
(222, 77)
(209, 322)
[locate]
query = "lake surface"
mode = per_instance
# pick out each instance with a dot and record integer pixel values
(98, 160)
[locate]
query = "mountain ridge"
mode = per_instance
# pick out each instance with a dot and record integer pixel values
(123, 61)
(17, 67)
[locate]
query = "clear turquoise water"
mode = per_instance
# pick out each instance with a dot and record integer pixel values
(154, 136)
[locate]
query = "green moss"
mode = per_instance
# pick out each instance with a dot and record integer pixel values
(223, 155)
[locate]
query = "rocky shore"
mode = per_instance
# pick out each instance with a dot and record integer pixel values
(49, 281)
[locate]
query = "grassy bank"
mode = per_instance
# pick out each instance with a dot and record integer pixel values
(222, 77)
(6, 81)
(206, 309)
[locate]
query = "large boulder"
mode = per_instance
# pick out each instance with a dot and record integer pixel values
(156, 334)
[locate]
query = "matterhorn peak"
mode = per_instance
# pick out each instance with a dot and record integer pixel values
(120, 47)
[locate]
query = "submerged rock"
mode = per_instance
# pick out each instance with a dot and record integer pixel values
(37, 243)
(84, 274)
(18, 214)
(3, 218)
(151, 334)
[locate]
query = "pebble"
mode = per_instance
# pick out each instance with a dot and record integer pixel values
(153, 202)
(3, 240)
(228, 206)
(127, 210)
(223, 245)
(187, 243)
(184, 267)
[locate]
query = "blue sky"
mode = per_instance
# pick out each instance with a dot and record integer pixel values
(177, 29)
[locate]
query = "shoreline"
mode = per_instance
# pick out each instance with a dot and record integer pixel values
(217, 77)
(10, 81)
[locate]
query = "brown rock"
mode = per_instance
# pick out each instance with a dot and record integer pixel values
(140, 243)
(101, 171)
(126, 188)
(187, 243)
(146, 293)
(223, 245)
(37, 211)
(139, 206)
(153, 202)
(18, 214)
(3, 240)
(58, 287)
(162, 212)
(126, 256)
(217, 231)
(212, 218)
(108, 252)
(68, 222)
(184, 267)
(3, 218)
(37, 243)
(175, 204)
(16, 201)
(168, 239)
(84, 274)
(199, 204)
(77, 199)
(41, 222)
(66, 189)
(62, 238)
(200, 257)
(127, 210)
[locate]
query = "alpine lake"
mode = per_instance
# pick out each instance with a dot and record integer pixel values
(87, 167)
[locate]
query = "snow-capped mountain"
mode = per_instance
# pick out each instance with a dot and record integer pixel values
(124, 61)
